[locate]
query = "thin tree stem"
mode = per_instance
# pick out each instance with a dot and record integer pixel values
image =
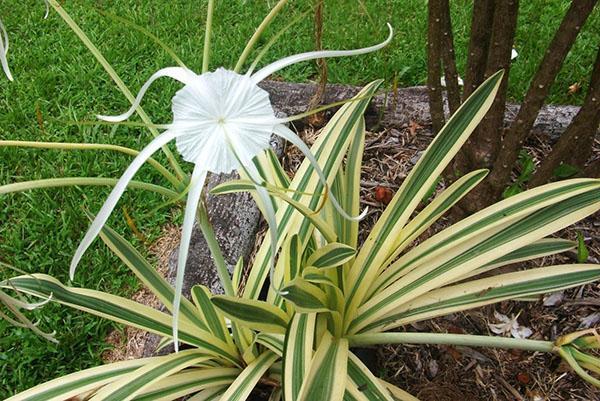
(449, 59)
(479, 44)
(538, 91)
(575, 145)
(434, 65)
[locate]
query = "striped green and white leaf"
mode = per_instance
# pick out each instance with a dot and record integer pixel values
(350, 185)
(235, 186)
(131, 385)
(366, 382)
(215, 322)
(148, 275)
(378, 246)
(468, 256)
(536, 250)
(236, 277)
(329, 150)
(121, 310)
(274, 342)
(188, 382)
(211, 394)
(434, 210)
(298, 352)
(483, 223)
(256, 315)
(331, 255)
(398, 393)
(271, 170)
(240, 389)
(305, 296)
(326, 378)
(81, 382)
(486, 291)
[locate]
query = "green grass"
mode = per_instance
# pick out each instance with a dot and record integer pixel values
(57, 79)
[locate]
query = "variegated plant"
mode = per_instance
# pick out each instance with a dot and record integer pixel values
(297, 344)
(328, 292)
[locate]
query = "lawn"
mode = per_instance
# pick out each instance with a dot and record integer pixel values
(58, 82)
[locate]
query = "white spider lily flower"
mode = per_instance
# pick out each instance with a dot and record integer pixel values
(4, 45)
(221, 121)
(509, 325)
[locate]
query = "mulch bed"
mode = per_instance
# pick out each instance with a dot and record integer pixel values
(443, 373)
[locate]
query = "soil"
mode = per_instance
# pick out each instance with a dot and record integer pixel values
(443, 373)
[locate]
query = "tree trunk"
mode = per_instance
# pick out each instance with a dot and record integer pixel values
(318, 119)
(449, 59)
(479, 43)
(592, 170)
(575, 146)
(482, 147)
(537, 93)
(434, 65)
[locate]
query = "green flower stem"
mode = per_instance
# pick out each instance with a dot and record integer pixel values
(276, 37)
(93, 146)
(115, 77)
(261, 28)
(450, 339)
(207, 34)
(146, 32)
(215, 250)
(73, 181)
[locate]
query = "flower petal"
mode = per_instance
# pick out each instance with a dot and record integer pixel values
(180, 74)
(4, 52)
(197, 184)
(287, 61)
(116, 193)
(289, 135)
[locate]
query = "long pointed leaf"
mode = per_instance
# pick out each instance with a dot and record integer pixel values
(446, 144)
(121, 310)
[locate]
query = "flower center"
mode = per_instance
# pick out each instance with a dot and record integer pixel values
(218, 112)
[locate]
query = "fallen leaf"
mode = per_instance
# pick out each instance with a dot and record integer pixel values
(432, 368)
(554, 299)
(454, 353)
(589, 321)
(523, 378)
(413, 126)
(383, 195)
(574, 88)
(509, 325)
